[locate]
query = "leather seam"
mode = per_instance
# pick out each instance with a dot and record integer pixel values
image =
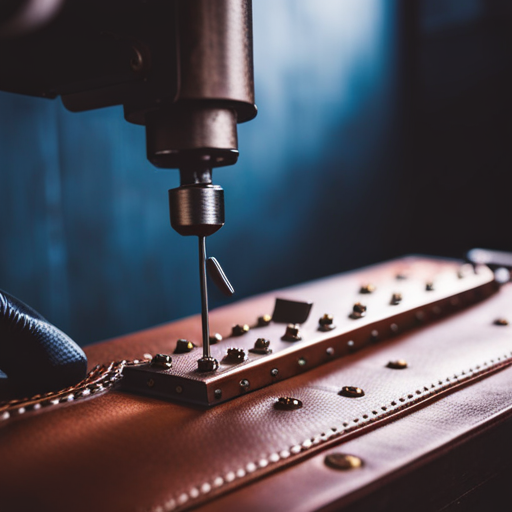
(336, 432)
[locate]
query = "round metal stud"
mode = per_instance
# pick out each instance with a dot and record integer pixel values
(325, 323)
(287, 403)
(367, 288)
(399, 364)
(264, 320)
(183, 346)
(215, 338)
(217, 394)
(501, 321)
(351, 392)
(244, 384)
(396, 298)
(150, 383)
(302, 362)
(343, 461)
(329, 351)
(162, 361)
(274, 372)
(239, 330)
(358, 311)
(292, 333)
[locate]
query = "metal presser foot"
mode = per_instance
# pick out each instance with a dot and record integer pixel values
(197, 208)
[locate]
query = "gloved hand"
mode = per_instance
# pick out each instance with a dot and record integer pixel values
(35, 355)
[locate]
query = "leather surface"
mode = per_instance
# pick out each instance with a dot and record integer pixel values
(124, 452)
(36, 356)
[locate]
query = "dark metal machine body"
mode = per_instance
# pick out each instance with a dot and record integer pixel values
(181, 68)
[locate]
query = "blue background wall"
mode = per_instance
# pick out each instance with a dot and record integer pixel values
(319, 187)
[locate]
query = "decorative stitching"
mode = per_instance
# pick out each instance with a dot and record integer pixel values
(333, 432)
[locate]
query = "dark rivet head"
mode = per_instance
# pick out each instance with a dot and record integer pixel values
(436, 310)
(399, 364)
(261, 346)
(162, 361)
(343, 461)
(394, 328)
(329, 351)
(179, 389)
(429, 287)
(244, 384)
(207, 364)
(183, 346)
(239, 330)
(215, 338)
(396, 298)
(351, 392)
(420, 316)
(501, 321)
(358, 310)
(292, 333)
(326, 323)
(150, 383)
(367, 288)
(401, 276)
(234, 355)
(274, 372)
(287, 403)
(217, 394)
(264, 320)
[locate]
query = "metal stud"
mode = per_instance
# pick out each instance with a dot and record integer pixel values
(183, 346)
(301, 361)
(150, 383)
(396, 298)
(399, 364)
(215, 338)
(274, 372)
(261, 346)
(429, 287)
(501, 321)
(329, 351)
(264, 320)
(367, 288)
(239, 330)
(358, 311)
(244, 384)
(287, 403)
(343, 461)
(292, 333)
(217, 394)
(326, 323)
(207, 364)
(351, 392)
(162, 361)
(234, 355)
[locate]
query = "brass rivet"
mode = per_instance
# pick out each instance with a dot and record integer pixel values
(183, 346)
(234, 355)
(215, 338)
(239, 330)
(367, 288)
(162, 361)
(326, 323)
(396, 298)
(351, 392)
(150, 383)
(287, 403)
(358, 311)
(501, 321)
(343, 461)
(261, 346)
(264, 320)
(292, 333)
(429, 287)
(399, 364)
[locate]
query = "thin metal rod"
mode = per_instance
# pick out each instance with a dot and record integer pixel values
(204, 297)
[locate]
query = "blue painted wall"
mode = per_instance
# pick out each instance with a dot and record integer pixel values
(84, 232)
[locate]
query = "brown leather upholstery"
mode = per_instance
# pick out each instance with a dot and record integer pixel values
(125, 452)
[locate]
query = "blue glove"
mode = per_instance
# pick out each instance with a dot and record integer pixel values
(35, 355)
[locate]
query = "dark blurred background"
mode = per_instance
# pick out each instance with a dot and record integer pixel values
(384, 128)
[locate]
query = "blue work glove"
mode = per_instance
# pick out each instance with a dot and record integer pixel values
(35, 355)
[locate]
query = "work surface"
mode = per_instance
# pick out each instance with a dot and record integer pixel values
(430, 432)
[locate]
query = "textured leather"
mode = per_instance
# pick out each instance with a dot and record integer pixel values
(124, 452)
(35, 355)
